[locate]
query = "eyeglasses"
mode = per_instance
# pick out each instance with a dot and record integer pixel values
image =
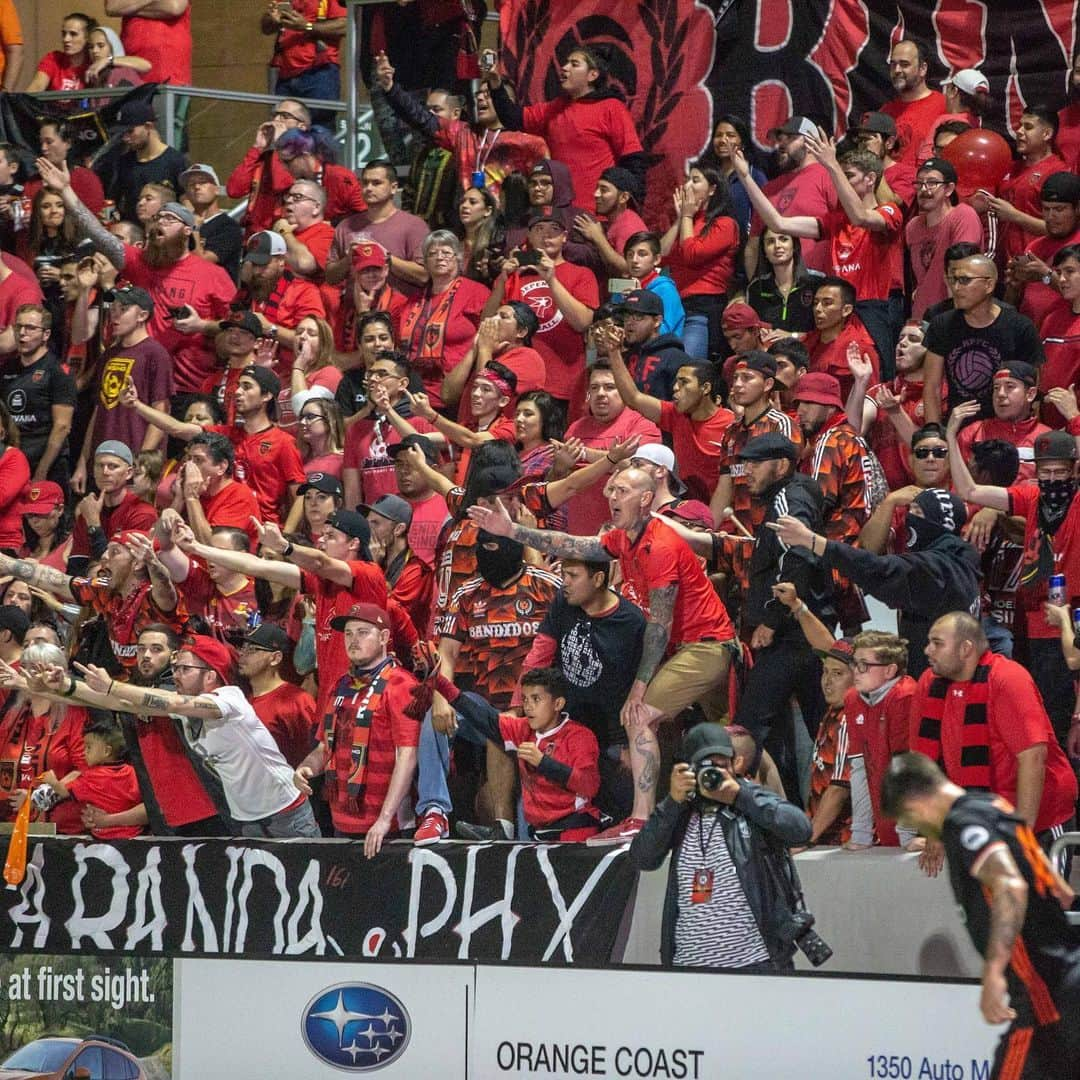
(310, 417)
(281, 115)
(27, 328)
(924, 452)
(930, 185)
(966, 279)
(189, 667)
(377, 375)
(863, 666)
(295, 196)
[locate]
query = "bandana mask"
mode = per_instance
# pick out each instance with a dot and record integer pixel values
(498, 565)
(1055, 498)
(922, 533)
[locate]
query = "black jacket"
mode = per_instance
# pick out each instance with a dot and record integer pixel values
(756, 827)
(655, 364)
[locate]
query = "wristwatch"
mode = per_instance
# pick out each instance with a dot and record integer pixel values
(1047, 278)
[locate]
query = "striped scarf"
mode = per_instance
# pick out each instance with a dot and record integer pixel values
(975, 730)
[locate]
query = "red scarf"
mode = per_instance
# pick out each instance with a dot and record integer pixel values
(424, 328)
(365, 693)
(975, 733)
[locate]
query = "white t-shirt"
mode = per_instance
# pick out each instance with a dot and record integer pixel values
(256, 779)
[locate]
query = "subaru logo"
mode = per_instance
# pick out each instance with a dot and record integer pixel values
(357, 1027)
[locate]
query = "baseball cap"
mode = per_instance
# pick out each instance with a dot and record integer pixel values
(691, 511)
(841, 650)
(431, 453)
(740, 316)
(179, 211)
(268, 382)
(704, 740)
(625, 180)
(1061, 187)
(135, 112)
(130, 295)
(117, 449)
(269, 636)
(968, 81)
(216, 655)
(369, 613)
(1055, 446)
(541, 167)
(351, 523)
(795, 125)
(125, 536)
(14, 619)
(392, 507)
(546, 213)
(368, 254)
(320, 481)
(243, 320)
(761, 362)
(771, 446)
(199, 169)
(659, 454)
(1020, 370)
(878, 123)
(938, 164)
(642, 302)
(42, 498)
(495, 480)
(263, 246)
(820, 388)
(312, 393)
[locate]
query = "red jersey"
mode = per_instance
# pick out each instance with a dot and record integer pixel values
(698, 446)
(502, 427)
(262, 178)
(125, 616)
(831, 766)
(412, 585)
(179, 792)
(289, 714)
(62, 73)
(704, 264)
(1038, 299)
(496, 628)
(166, 43)
(367, 449)
(1022, 187)
(131, 513)
(291, 300)
(893, 453)
(840, 466)
(1022, 435)
(804, 192)
(112, 788)
(831, 356)
(748, 511)
(226, 613)
(234, 505)
(659, 558)
(267, 461)
(297, 51)
(875, 733)
(429, 516)
(870, 261)
(1060, 332)
(914, 119)
(390, 728)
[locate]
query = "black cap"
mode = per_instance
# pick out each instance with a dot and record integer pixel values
(268, 382)
(351, 523)
(546, 213)
(431, 452)
(1055, 446)
(391, 507)
(758, 361)
(1020, 370)
(1061, 187)
(243, 320)
(643, 302)
(270, 636)
(771, 446)
(130, 296)
(324, 482)
(495, 480)
(704, 740)
(14, 619)
(135, 112)
(625, 180)
(878, 123)
(939, 164)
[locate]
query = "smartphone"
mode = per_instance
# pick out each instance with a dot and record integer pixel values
(179, 312)
(617, 285)
(528, 258)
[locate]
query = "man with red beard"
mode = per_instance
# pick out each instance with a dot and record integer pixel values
(187, 291)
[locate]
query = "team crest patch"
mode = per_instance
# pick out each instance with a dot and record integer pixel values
(265, 447)
(37, 376)
(523, 606)
(974, 837)
(114, 377)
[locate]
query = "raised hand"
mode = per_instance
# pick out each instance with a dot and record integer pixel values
(96, 678)
(859, 363)
(496, 521)
(54, 177)
(421, 405)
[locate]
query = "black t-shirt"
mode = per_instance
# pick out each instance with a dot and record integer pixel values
(599, 658)
(977, 825)
(225, 238)
(29, 394)
(123, 176)
(973, 354)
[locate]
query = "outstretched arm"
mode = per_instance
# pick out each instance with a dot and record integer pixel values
(58, 179)
(238, 561)
(499, 522)
(807, 227)
(147, 700)
(44, 577)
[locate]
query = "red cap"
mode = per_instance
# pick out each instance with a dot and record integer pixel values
(42, 497)
(819, 388)
(739, 316)
(125, 536)
(370, 613)
(216, 655)
(368, 254)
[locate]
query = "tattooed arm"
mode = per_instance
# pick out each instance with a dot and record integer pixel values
(147, 700)
(58, 179)
(1000, 877)
(499, 522)
(44, 577)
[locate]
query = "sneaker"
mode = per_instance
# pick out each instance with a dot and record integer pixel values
(468, 830)
(433, 827)
(622, 833)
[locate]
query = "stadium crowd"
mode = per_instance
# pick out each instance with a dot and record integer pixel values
(386, 508)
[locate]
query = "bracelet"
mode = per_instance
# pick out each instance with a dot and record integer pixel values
(611, 459)
(309, 27)
(70, 691)
(112, 683)
(801, 609)
(287, 550)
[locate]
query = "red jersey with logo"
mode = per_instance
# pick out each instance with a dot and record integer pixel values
(748, 511)
(1060, 334)
(367, 449)
(496, 628)
(125, 616)
(226, 613)
(1023, 187)
(831, 356)
(113, 788)
(660, 558)
(234, 505)
(871, 261)
(292, 299)
(267, 461)
(290, 715)
(297, 51)
(830, 766)
(698, 446)
(840, 466)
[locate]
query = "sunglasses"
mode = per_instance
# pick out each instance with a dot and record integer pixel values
(925, 452)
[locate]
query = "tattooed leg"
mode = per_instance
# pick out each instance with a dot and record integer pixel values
(645, 769)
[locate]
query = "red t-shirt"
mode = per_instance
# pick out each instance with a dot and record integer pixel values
(660, 558)
(927, 246)
(502, 427)
(297, 51)
(16, 290)
(1068, 136)
(1017, 720)
(870, 261)
(367, 449)
(1022, 435)
(193, 282)
(112, 788)
(1060, 334)
(831, 356)
(290, 716)
(131, 514)
(14, 483)
(178, 790)
(429, 515)
(166, 43)
(268, 462)
(698, 447)
(234, 505)
(806, 192)
(224, 612)
(704, 264)
(914, 119)
(293, 299)
(1023, 187)
(63, 74)
(414, 590)
(565, 355)
(529, 367)
(1039, 299)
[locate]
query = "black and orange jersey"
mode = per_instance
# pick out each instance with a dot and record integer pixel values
(455, 555)
(496, 628)
(749, 511)
(840, 464)
(1047, 949)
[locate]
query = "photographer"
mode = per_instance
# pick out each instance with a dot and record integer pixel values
(729, 901)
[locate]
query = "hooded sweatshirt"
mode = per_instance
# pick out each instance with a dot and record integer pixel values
(576, 249)
(655, 364)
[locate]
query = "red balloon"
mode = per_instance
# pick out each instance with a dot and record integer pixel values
(981, 159)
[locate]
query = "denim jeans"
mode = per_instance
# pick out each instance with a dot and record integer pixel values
(288, 824)
(433, 767)
(696, 336)
(323, 83)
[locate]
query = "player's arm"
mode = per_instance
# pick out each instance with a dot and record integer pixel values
(999, 875)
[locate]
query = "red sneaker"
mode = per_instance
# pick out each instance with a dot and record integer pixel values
(433, 827)
(622, 833)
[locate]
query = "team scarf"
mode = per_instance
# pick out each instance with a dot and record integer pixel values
(424, 328)
(367, 691)
(975, 730)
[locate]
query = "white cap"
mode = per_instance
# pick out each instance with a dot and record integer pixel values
(659, 454)
(199, 169)
(968, 81)
(311, 394)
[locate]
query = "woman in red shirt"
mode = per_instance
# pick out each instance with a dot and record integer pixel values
(65, 68)
(46, 531)
(14, 480)
(700, 249)
(440, 325)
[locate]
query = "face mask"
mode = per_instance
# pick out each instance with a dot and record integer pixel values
(1055, 498)
(922, 533)
(499, 565)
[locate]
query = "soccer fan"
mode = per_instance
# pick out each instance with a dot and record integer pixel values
(642, 253)
(838, 331)
(916, 107)
(219, 236)
(941, 222)
(877, 134)
(964, 347)
(236, 343)
(133, 355)
(588, 125)
(159, 32)
(65, 68)
(1060, 333)
(411, 579)
(781, 296)
(1014, 904)
(618, 196)
(309, 155)
(550, 191)
(16, 290)
(185, 288)
(829, 804)
(792, 363)
(57, 141)
(684, 616)
(399, 233)
(39, 393)
(368, 745)
(654, 357)
(307, 49)
(415, 458)
(967, 102)
(308, 236)
(744, 330)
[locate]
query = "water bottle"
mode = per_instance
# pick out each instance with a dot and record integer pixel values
(1056, 592)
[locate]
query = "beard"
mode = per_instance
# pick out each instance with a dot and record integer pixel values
(164, 251)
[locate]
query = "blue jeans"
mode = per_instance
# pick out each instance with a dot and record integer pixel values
(321, 82)
(696, 336)
(288, 824)
(433, 767)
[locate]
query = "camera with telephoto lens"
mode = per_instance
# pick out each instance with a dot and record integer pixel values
(799, 931)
